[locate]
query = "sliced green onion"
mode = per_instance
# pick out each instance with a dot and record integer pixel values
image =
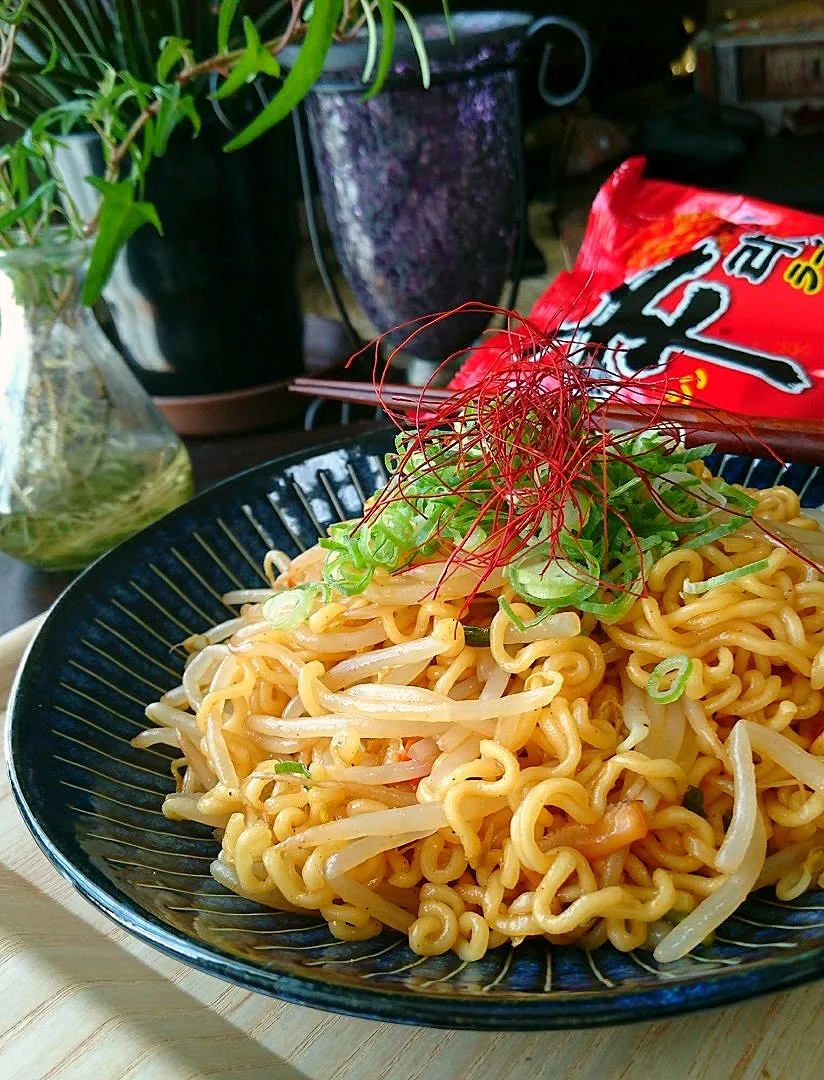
(680, 666)
(576, 511)
(627, 588)
(693, 588)
(376, 544)
(554, 583)
(470, 541)
(288, 609)
(340, 572)
(396, 522)
(447, 493)
(624, 488)
(506, 608)
(611, 611)
(709, 537)
(556, 587)
(697, 453)
(516, 621)
(296, 767)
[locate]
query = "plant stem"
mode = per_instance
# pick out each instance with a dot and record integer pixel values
(119, 153)
(6, 53)
(113, 168)
(63, 298)
(214, 63)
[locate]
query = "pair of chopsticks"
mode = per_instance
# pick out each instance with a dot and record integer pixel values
(790, 440)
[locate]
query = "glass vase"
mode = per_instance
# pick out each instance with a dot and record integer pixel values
(85, 458)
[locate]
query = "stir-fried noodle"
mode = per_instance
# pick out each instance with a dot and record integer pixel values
(376, 761)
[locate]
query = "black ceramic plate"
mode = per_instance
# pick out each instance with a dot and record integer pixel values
(93, 802)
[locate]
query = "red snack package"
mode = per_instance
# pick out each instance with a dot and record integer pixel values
(722, 294)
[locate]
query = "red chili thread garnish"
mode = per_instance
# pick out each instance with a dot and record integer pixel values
(541, 419)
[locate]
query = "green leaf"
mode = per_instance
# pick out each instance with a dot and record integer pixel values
(173, 50)
(418, 42)
(447, 14)
(44, 53)
(140, 33)
(371, 41)
(33, 202)
(47, 24)
(65, 117)
(177, 17)
(141, 154)
(174, 109)
(243, 72)
(387, 10)
(9, 102)
(84, 26)
(228, 9)
(124, 37)
(35, 51)
(120, 218)
(301, 78)
(256, 59)
(13, 14)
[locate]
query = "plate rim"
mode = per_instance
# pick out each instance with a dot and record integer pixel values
(525, 1011)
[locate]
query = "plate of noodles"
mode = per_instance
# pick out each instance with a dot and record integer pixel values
(533, 738)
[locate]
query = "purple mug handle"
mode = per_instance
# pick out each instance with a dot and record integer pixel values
(559, 100)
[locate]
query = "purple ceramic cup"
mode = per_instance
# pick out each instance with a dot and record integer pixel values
(422, 187)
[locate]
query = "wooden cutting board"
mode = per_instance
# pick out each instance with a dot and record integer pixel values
(80, 999)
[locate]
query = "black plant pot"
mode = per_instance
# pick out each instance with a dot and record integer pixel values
(211, 305)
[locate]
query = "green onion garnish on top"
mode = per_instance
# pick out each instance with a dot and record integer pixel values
(580, 539)
(288, 609)
(695, 588)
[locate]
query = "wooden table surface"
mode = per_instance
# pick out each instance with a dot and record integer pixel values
(80, 999)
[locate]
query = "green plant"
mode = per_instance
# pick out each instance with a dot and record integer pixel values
(55, 78)
(134, 121)
(60, 43)
(78, 34)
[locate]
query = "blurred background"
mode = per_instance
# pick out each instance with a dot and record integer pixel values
(720, 94)
(271, 248)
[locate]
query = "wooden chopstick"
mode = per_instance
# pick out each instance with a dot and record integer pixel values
(363, 393)
(789, 440)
